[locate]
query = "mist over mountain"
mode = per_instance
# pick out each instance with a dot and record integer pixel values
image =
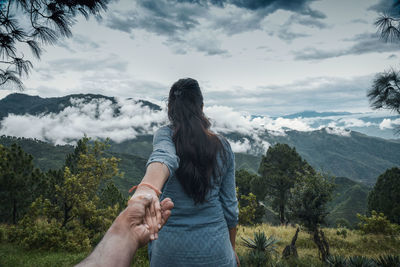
(130, 123)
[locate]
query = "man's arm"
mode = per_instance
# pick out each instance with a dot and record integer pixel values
(126, 234)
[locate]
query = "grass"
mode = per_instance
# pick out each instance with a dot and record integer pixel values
(354, 244)
(13, 255)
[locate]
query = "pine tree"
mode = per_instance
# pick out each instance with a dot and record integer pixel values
(35, 23)
(20, 183)
(279, 170)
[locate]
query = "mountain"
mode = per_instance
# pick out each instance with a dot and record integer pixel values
(349, 198)
(130, 124)
(21, 104)
(313, 114)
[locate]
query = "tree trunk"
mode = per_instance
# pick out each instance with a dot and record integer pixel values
(66, 214)
(322, 244)
(291, 250)
(282, 213)
(14, 211)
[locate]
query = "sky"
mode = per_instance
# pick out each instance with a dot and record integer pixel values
(257, 57)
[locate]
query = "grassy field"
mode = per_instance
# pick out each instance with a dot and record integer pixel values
(354, 244)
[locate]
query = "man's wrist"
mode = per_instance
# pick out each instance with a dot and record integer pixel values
(121, 227)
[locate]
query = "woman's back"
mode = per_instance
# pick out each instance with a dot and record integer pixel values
(195, 234)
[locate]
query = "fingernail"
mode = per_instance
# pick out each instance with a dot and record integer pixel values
(156, 236)
(152, 237)
(159, 226)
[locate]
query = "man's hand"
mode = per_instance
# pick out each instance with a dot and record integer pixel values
(128, 232)
(139, 216)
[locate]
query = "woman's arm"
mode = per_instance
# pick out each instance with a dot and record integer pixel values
(161, 165)
(232, 237)
(156, 175)
(227, 196)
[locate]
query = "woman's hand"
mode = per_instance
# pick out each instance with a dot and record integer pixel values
(153, 217)
(237, 258)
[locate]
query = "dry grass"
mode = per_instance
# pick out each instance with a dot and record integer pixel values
(354, 244)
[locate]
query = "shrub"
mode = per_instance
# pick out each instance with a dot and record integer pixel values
(377, 224)
(342, 232)
(342, 223)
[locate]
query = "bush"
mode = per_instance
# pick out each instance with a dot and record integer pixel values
(342, 223)
(377, 224)
(3, 233)
(342, 232)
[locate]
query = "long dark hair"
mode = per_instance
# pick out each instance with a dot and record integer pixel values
(196, 145)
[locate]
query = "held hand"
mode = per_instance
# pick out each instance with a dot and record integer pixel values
(136, 214)
(152, 212)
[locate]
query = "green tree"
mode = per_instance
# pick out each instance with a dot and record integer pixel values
(385, 196)
(243, 180)
(250, 209)
(307, 205)
(76, 216)
(111, 196)
(78, 192)
(34, 23)
(279, 170)
(20, 183)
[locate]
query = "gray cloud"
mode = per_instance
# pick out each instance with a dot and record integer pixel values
(364, 43)
(318, 93)
(385, 6)
(79, 64)
(270, 6)
(176, 20)
(159, 17)
(286, 35)
(307, 21)
(78, 42)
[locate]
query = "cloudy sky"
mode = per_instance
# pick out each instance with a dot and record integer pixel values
(263, 57)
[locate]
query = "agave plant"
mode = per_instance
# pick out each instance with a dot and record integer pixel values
(261, 243)
(388, 261)
(360, 261)
(336, 261)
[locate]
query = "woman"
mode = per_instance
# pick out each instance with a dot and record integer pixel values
(196, 169)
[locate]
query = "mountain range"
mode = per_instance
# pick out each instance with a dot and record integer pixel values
(340, 152)
(354, 158)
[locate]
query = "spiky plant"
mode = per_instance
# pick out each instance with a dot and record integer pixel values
(360, 261)
(388, 261)
(336, 261)
(261, 243)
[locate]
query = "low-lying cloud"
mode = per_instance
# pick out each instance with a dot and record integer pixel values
(126, 119)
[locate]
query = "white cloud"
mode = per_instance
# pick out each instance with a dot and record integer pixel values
(389, 124)
(338, 131)
(126, 119)
(240, 146)
(354, 122)
(95, 119)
